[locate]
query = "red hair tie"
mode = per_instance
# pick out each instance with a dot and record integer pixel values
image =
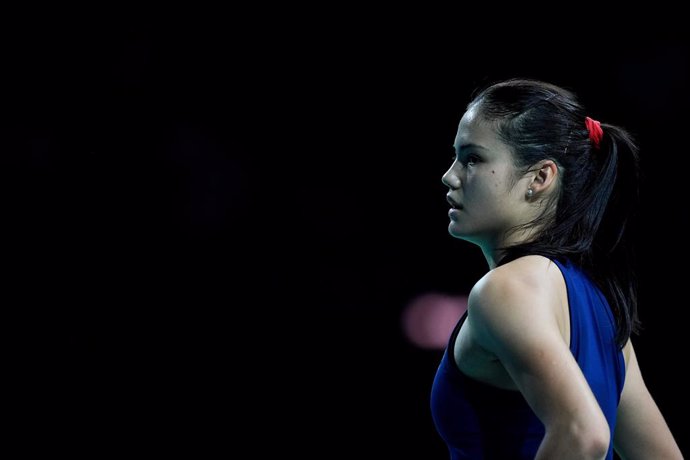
(595, 131)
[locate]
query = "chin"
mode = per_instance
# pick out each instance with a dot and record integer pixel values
(454, 231)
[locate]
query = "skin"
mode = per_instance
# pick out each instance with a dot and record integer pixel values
(482, 181)
(641, 431)
(517, 332)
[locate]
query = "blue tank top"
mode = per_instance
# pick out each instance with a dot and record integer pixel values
(479, 421)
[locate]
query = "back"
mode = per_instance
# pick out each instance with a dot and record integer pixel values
(593, 341)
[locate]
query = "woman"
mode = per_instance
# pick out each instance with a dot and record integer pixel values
(541, 365)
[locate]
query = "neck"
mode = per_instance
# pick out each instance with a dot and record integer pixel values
(494, 252)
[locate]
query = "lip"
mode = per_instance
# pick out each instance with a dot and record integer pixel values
(453, 203)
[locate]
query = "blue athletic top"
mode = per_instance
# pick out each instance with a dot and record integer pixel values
(480, 421)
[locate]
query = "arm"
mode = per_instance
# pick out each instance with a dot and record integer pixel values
(513, 316)
(641, 431)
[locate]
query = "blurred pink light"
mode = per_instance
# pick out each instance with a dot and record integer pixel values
(429, 319)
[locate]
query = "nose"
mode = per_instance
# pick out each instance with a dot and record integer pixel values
(450, 178)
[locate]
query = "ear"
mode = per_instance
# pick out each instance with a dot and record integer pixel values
(545, 173)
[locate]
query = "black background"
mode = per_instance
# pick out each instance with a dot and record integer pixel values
(214, 225)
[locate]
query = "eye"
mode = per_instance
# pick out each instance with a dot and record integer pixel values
(471, 160)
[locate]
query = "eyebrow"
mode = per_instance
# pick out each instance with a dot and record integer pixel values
(467, 146)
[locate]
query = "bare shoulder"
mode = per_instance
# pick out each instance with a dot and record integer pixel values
(524, 296)
(524, 285)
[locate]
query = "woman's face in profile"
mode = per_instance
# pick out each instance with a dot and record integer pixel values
(485, 198)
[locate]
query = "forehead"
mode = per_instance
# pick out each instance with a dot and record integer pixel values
(473, 129)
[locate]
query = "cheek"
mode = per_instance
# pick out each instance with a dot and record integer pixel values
(493, 183)
(499, 181)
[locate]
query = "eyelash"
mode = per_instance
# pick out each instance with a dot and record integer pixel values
(471, 158)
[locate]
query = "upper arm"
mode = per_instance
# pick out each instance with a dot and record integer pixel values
(641, 431)
(516, 321)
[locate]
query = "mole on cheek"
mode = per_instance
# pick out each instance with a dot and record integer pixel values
(493, 172)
